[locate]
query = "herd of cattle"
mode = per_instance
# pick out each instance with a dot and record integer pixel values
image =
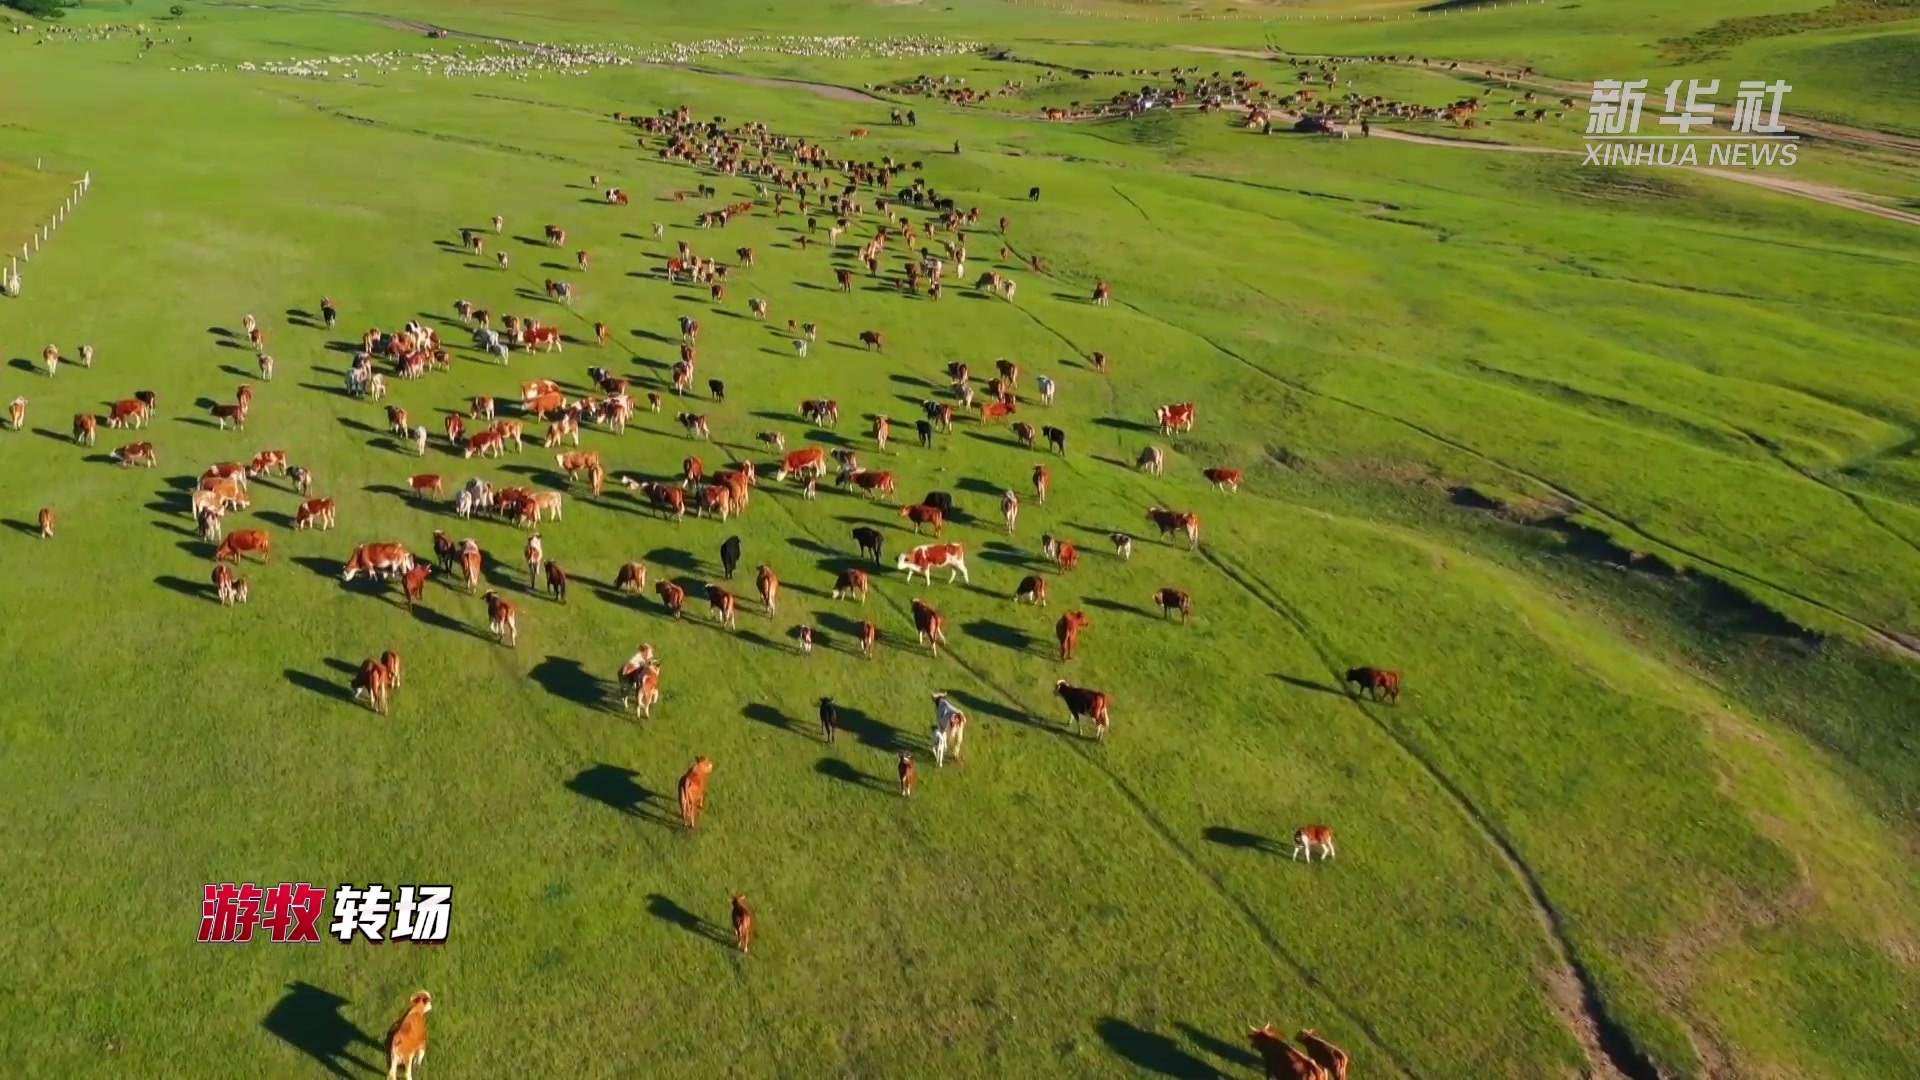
(782, 168)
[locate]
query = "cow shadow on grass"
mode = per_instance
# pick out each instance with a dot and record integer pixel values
(772, 717)
(338, 390)
(677, 559)
(666, 910)
(439, 621)
(1231, 1053)
(238, 373)
(566, 679)
(1226, 836)
(617, 789)
(1105, 604)
(835, 769)
(1309, 684)
(328, 688)
(1152, 1052)
(872, 732)
(326, 568)
(312, 1021)
(21, 363)
(979, 706)
(195, 589)
(1003, 635)
(999, 551)
(1123, 424)
(360, 425)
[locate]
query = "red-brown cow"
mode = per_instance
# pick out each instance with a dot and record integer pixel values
(1175, 601)
(871, 482)
(1032, 589)
(873, 340)
(381, 560)
(631, 578)
(426, 484)
(502, 618)
(84, 426)
(1042, 480)
(1279, 1057)
(869, 639)
(922, 514)
(768, 583)
(672, 597)
(314, 514)
(693, 792)
(1067, 632)
(1176, 521)
(374, 683)
(140, 453)
(1324, 1054)
(931, 625)
(1223, 479)
(810, 462)
(721, 604)
(1377, 683)
(413, 584)
(244, 541)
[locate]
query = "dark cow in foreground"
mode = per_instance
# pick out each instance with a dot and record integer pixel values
(693, 791)
(1281, 1060)
(1376, 683)
(870, 541)
(1175, 601)
(1084, 703)
(829, 719)
(672, 597)
(729, 555)
(930, 624)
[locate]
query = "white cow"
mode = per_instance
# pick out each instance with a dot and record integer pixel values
(949, 729)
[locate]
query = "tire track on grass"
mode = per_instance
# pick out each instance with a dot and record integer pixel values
(1276, 949)
(1606, 1043)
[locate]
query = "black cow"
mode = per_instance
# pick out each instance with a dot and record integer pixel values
(718, 389)
(1056, 439)
(940, 500)
(730, 555)
(829, 718)
(925, 430)
(869, 540)
(1033, 194)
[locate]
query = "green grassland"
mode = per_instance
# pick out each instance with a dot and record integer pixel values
(1618, 467)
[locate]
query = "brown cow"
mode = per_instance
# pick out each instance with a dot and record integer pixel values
(1223, 479)
(631, 578)
(413, 584)
(407, 1042)
(851, 583)
(426, 484)
(693, 792)
(1032, 589)
(1281, 1060)
(1176, 521)
(869, 638)
(742, 923)
(931, 625)
(240, 542)
(1324, 1054)
(908, 777)
(556, 582)
(1084, 703)
(374, 683)
(873, 340)
(921, 514)
(672, 597)
(1067, 632)
(84, 425)
(1309, 837)
(235, 415)
(769, 585)
(721, 603)
(140, 453)
(502, 618)
(314, 514)
(46, 523)
(871, 482)
(1042, 479)
(1376, 683)
(391, 661)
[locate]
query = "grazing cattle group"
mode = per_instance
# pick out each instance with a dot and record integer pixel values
(725, 493)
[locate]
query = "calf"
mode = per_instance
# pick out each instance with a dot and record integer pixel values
(84, 427)
(908, 779)
(46, 523)
(373, 683)
(693, 792)
(1376, 683)
(413, 584)
(869, 639)
(1067, 632)
(1223, 479)
(427, 484)
(729, 556)
(829, 719)
(556, 582)
(930, 624)
(1308, 838)
(742, 923)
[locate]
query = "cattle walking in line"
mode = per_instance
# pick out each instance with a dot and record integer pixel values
(1308, 838)
(1376, 683)
(908, 779)
(742, 923)
(693, 792)
(407, 1041)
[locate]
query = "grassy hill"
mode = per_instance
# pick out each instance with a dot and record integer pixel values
(1617, 467)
